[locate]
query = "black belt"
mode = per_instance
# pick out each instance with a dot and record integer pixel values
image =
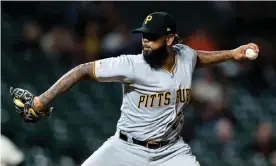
(147, 144)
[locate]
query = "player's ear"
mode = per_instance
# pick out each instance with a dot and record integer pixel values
(170, 40)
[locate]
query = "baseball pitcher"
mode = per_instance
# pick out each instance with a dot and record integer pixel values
(156, 89)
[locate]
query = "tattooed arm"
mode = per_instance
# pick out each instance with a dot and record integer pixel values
(116, 69)
(64, 83)
(205, 58)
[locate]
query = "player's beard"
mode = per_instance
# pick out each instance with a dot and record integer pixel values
(156, 58)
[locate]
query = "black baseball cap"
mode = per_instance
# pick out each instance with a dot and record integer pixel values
(158, 23)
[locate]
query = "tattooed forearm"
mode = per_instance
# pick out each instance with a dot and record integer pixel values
(213, 57)
(64, 83)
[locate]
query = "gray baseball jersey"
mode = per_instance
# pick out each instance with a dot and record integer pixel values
(153, 100)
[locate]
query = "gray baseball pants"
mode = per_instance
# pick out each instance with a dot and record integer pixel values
(117, 152)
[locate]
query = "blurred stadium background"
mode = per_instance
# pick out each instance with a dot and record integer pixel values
(231, 120)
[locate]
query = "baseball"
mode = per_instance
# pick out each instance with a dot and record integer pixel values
(251, 54)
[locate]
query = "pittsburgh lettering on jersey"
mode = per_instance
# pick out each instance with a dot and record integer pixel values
(148, 100)
(182, 96)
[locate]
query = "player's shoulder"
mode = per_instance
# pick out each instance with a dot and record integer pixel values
(182, 48)
(184, 51)
(134, 58)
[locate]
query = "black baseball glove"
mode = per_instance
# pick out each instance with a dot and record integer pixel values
(23, 101)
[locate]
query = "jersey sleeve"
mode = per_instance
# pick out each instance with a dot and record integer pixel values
(115, 69)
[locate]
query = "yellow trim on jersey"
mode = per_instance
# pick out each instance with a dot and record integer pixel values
(171, 70)
(175, 61)
(94, 70)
